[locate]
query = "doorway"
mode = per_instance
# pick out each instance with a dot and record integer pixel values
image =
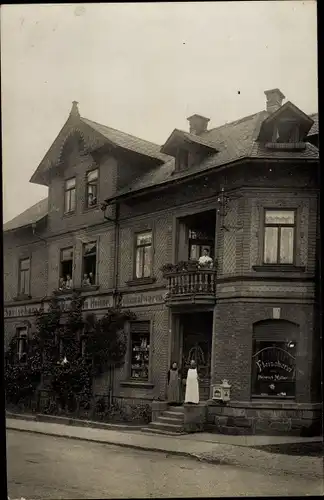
(196, 343)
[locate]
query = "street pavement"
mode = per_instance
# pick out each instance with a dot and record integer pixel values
(43, 467)
(208, 447)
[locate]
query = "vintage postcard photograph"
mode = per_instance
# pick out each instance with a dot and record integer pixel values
(161, 250)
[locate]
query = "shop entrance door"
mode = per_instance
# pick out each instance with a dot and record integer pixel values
(196, 345)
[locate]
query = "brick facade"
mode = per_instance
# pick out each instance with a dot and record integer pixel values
(244, 295)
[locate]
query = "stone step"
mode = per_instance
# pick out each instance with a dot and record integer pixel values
(173, 414)
(169, 419)
(176, 409)
(149, 430)
(165, 426)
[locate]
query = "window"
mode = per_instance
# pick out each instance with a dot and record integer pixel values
(66, 270)
(274, 369)
(89, 263)
(198, 242)
(24, 277)
(286, 131)
(182, 159)
(22, 344)
(69, 196)
(92, 188)
(143, 255)
(140, 349)
(279, 236)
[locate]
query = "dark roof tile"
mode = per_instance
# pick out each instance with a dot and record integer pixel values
(127, 141)
(30, 216)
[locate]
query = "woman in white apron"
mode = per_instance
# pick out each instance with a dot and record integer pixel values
(192, 387)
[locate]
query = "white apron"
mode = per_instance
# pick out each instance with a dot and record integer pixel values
(192, 389)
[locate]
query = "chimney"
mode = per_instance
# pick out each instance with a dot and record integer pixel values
(274, 100)
(197, 124)
(74, 110)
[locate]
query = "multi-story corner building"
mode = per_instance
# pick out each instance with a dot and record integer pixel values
(127, 220)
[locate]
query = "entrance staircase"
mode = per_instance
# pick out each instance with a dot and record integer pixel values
(170, 422)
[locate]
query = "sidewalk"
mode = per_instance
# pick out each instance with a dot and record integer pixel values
(212, 448)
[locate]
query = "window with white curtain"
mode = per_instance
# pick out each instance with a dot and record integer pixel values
(279, 236)
(143, 254)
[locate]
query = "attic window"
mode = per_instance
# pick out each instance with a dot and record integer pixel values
(286, 132)
(182, 159)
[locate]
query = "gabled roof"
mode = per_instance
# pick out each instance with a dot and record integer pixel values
(127, 141)
(95, 136)
(30, 216)
(289, 109)
(234, 141)
(179, 138)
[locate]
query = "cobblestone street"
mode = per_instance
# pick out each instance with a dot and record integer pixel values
(43, 467)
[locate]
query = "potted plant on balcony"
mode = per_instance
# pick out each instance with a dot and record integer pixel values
(167, 268)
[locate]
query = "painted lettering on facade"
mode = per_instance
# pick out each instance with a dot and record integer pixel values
(90, 303)
(18, 312)
(141, 299)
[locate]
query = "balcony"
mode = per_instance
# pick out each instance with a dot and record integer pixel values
(189, 284)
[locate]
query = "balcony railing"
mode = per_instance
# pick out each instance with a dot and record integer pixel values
(190, 284)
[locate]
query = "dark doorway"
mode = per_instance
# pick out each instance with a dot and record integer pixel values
(196, 233)
(196, 343)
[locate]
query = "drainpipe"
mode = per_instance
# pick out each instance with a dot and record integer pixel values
(222, 200)
(115, 220)
(116, 294)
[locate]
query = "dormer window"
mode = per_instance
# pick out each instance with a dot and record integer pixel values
(182, 159)
(286, 132)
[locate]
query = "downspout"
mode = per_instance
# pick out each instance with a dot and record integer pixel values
(116, 294)
(115, 220)
(222, 200)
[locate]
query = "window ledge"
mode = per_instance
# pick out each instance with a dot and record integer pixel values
(90, 209)
(65, 291)
(22, 296)
(279, 268)
(141, 281)
(87, 288)
(141, 384)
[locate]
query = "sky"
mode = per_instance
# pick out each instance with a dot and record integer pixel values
(143, 68)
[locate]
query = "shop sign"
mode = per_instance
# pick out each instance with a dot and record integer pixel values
(20, 311)
(274, 368)
(90, 304)
(141, 299)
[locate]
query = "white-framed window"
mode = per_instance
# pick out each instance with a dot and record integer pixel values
(24, 276)
(143, 255)
(279, 236)
(89, 263)
(70, 195)
(66, 268)
(92, 188)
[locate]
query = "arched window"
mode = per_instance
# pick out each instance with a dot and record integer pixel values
(274, 359)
